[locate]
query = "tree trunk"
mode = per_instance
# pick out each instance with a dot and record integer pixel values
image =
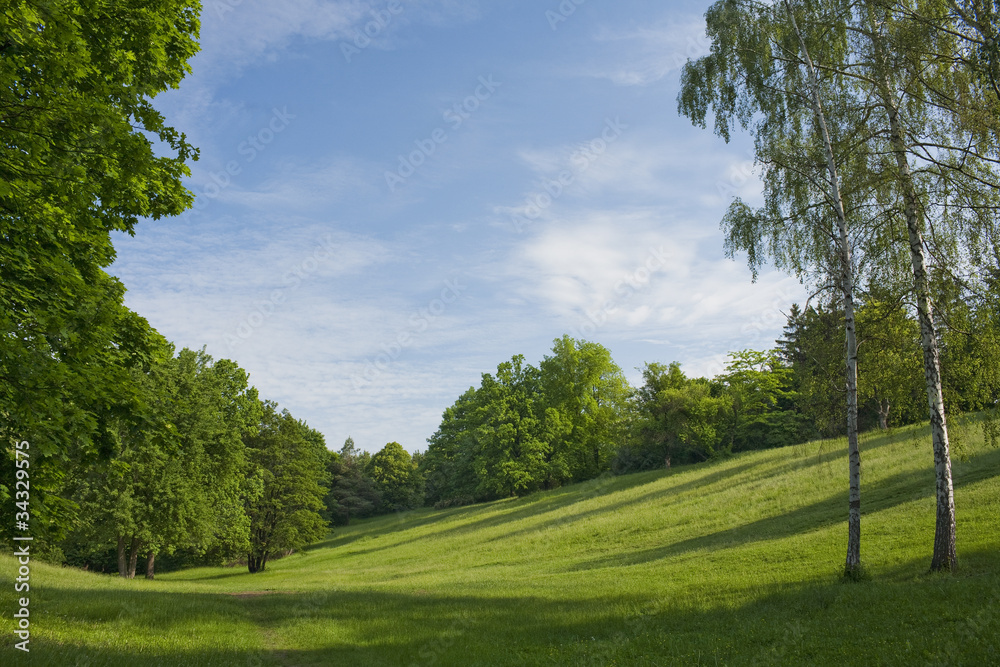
(883, 414)
(944, 556)
(133, 556)
(122, 561)
(852, 567)
(256, 563)
(149, 563)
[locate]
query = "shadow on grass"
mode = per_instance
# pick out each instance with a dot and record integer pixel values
(504, 512)
(535, 506)
(887, 493)
(928, 620)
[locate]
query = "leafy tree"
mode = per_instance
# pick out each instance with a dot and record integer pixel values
(897, 92)
(175, 479)
(77, 123)
(891, 381)
(677, 420)
(813, 347)
(396, 478)
(448, 465)
(970, 346)
(290, 459)
(661, 408)
(588, 392)
(513, 443)
(757, 390)
(936, 164)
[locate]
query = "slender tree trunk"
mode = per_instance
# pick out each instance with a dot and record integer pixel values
(853, 562)
(133, 556)
(945, 556)
(122, 560)
(149, 563)
(883, 414)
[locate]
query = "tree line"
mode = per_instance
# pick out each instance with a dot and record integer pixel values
(575, 417)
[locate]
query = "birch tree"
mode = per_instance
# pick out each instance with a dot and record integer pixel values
(760, 74)
(941, 167)
(900, 86)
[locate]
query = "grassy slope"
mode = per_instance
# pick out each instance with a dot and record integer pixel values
(735, 562)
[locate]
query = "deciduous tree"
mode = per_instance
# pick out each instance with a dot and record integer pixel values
(290, 459)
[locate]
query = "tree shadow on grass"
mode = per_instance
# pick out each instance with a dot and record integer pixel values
(944, 620)
(511, 511)
(701, 477)
(703, 484)
(888, 493)
(229, 573)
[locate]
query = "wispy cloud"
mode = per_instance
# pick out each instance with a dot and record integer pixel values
(238, 33)
(645, 55)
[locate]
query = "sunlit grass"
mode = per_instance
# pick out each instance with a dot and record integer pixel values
(734, 562)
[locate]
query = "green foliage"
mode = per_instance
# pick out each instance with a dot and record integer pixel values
(447, 466)
(891, 380)
(78, 162)
(290, 459)
(588, 393)
(813, 347)
(396, 478)
(677, 420)
(512, 433)
(757, 387)
(178, 474)
(352, 493)
(528, 428)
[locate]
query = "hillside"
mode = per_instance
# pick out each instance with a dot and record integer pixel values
(734, 563)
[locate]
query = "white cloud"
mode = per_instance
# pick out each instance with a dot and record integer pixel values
(639, 167)
(644, 276)
(641, 56)
(241, 32)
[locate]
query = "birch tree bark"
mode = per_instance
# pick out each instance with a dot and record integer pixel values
(853, 564)
(944, 555)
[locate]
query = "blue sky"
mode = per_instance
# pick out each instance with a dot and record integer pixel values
(395, 196)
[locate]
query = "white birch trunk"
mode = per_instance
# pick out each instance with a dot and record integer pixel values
(847, 280)
(944, 557)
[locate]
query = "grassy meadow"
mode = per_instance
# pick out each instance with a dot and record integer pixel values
(735, 562)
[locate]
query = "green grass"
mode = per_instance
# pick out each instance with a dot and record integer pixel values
(730, 563)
